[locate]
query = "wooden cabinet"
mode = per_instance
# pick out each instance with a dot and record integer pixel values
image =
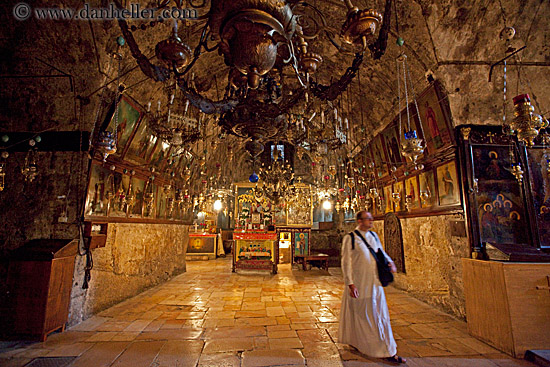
(40, 278)
(507, 304)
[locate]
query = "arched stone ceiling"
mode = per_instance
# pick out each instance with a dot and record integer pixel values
(457, 41)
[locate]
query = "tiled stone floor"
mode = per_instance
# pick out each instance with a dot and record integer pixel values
(209, 316)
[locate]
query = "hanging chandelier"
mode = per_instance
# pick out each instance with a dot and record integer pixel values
(175, 124)
(275, 181)
(266, 46)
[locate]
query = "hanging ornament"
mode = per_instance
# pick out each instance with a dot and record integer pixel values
(253, 177)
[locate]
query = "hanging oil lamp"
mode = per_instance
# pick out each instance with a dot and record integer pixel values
(381, 202)
(106, 144)
(149, 194)
(413, 146)
(130, 199)
(396, 198)
(374, 195)
(526, 123)
(424, 196)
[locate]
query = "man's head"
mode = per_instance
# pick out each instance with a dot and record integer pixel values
(364, 220)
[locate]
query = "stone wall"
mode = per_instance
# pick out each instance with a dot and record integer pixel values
(136, 257)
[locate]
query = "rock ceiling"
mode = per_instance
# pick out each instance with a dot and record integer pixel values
(66, 64)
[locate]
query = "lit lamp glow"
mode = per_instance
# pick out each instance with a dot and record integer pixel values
(218, 205)
(327, 205)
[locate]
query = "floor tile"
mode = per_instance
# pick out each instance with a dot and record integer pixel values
(265, 358)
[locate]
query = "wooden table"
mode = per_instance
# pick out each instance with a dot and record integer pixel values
(313, 259)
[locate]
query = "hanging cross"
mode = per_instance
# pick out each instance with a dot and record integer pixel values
(543, 288)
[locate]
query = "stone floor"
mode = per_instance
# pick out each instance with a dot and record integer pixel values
(212, 317)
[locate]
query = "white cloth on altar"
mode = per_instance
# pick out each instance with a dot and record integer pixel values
(364, 321)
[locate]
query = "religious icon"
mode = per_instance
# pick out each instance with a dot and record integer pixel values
(391, 141)
(399, 200)
(413, 196)
(142, 144)
(447, 184)
(379, 158)
(129, 114)
(428, 196)
(301, 243)
(432, 105)
(388, 199)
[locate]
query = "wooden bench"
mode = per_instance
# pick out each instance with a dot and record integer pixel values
(317, 260)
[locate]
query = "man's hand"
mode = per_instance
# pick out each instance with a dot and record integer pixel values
(393, 269)
(353, 291)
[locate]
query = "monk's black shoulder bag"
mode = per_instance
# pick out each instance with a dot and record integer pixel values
(384, 273)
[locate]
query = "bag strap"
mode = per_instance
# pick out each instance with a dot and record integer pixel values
(366, 243)
(352, 241)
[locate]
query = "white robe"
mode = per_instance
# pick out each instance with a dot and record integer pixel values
(364, 321)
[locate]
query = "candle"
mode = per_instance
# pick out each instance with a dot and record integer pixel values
(149, 106)
(158, 106)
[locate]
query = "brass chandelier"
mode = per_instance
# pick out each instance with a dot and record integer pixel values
(260, 40)
(275, 184)
(175, 125)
